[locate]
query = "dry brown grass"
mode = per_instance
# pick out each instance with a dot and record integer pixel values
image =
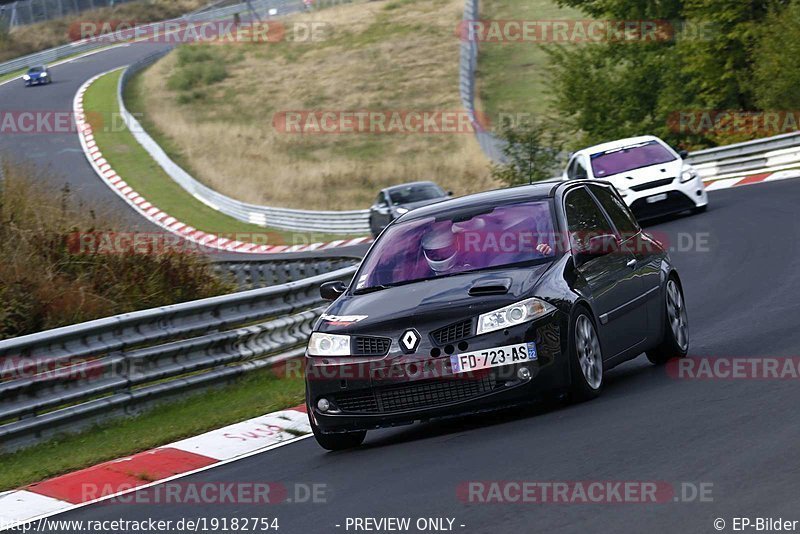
(32, 38)
(400, 55)
(44, 283)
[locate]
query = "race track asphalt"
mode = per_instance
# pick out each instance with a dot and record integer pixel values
(741, 282)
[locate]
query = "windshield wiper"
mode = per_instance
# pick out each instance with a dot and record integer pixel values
(369, 289)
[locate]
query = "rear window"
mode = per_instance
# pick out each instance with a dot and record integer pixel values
(629, 158)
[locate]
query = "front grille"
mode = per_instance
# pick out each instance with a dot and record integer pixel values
(674, 203)
(453, 332)
(423, 394)
(371, 346)
(652, 185)
(358, 403)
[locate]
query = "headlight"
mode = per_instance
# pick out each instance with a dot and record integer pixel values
(328, 345)
(401, 211)
(26, 77)
(512, 315)
(44, 74)
(688, 175)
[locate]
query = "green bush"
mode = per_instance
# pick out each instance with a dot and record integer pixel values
(725, 56)
(776, 60)
(197, 66)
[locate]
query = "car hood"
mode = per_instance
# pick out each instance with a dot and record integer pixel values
(429, 304)
(624, 180)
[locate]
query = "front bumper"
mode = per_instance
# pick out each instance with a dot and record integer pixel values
(401, 389)
(679, 197)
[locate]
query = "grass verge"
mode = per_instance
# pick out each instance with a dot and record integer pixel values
(251, 396)
(142, 173)
(220, 107)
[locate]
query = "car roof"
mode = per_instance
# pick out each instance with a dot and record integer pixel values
(619, 143)
(488, 198)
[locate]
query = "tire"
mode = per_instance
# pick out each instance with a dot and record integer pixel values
(585, 358)
(339, 441)
(372, 228)
(675, 343)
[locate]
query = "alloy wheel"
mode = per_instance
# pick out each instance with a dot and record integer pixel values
(588, 348)
(676, 310)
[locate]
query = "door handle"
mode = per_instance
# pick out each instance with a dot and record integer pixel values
(631, 263)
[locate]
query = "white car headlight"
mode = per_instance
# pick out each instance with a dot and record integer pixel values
(44, 74)
(688, 175)
(514, 314)
(322, 344)
(26, 77)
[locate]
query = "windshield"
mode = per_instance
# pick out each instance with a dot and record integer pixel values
(427, 248)
(34, 70)
(414, 193)
(630, 158)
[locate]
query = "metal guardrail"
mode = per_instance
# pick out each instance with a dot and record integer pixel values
(247, 274)
(65, 379)
(771, 154)
(352, 222)
(92, 44)
(491, 145)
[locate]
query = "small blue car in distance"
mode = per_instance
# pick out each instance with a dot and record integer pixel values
(37, 75)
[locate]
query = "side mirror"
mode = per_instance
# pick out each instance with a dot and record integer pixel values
(683, 153)
(598, 246)
(332, 290)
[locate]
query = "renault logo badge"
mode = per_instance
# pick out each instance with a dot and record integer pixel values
(409, 341)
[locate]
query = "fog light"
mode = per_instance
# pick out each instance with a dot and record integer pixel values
(323, 405)
(523, 373)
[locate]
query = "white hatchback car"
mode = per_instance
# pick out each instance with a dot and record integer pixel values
(651, 177)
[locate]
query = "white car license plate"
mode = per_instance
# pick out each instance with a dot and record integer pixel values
(656, 198)
(494, 357)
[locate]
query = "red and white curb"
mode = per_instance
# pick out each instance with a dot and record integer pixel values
(162, 219)
(176, 460)
(726, 183)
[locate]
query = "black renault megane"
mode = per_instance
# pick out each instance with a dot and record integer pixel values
(488, 301)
